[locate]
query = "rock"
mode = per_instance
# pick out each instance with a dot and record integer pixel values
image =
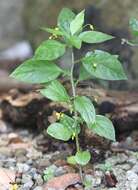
(26, 178)
(39, 180)
(44, 163)
(6, 151)
(28, 185)
(38, 188)
(3, 127)
(62, 182)
(23, 168)
(20, 153)
(135, 168)
(34, 154)
(132, 180)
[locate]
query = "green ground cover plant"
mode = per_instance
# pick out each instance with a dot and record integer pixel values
(70, 33)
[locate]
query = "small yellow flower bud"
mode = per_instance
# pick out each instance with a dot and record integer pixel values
(73, 136)
(91, 27)
(56, 28)
(94, 65)
(50, 38)
(95, 99)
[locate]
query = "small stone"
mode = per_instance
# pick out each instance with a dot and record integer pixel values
(44, 162)
(39, 180)
(135, 168)
(22, 159)
(38, 188)
(22, 167)
(131, 175)
(29, 184)
(59, 171)
(20, 152)
(3, 127)
(26, 178)
(6, 151)
(34, 154)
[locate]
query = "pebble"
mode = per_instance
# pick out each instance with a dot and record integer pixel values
(38, 188)
(29, 184)
(26, 178)
(31, 163)
(22, 167)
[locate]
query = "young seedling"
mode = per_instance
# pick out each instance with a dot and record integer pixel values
(41, 69)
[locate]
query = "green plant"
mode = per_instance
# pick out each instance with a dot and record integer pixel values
(70, 34)
(133, 23)
(49, 173)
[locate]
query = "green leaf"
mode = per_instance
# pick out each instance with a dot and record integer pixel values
(34, 71)
(86, 109)
(75, 41)
(52, 31)
(82, 158)
(50, 50)
(103, 127)
(56, 92)
(134, 25)
(84, 75)
(64, 19)
(59, 131)
(69, 123)
(94, 37)
(71, 160)
(102, 65)
(77, 23)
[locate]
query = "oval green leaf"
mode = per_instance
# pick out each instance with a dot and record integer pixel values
(86, 109)
(75, 41)
(56, 92)
(134, 26)
(103, 65)
(84, 75)
(77, 23)
(69, 123)
(82, 157)
(71, 160)
(64, 19)
(34, 71)
(103, 127)
(52, 31)
(59, 131)
(94, 37)
(49, 50)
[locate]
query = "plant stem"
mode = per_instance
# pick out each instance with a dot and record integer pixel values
(75, 112)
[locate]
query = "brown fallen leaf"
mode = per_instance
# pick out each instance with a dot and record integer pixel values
(15, 146)
(62, 182)
(110, 179)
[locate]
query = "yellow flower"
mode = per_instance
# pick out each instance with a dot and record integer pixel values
(59, 115)
(14, 187)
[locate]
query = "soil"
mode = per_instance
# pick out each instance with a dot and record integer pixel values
(32, 160)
